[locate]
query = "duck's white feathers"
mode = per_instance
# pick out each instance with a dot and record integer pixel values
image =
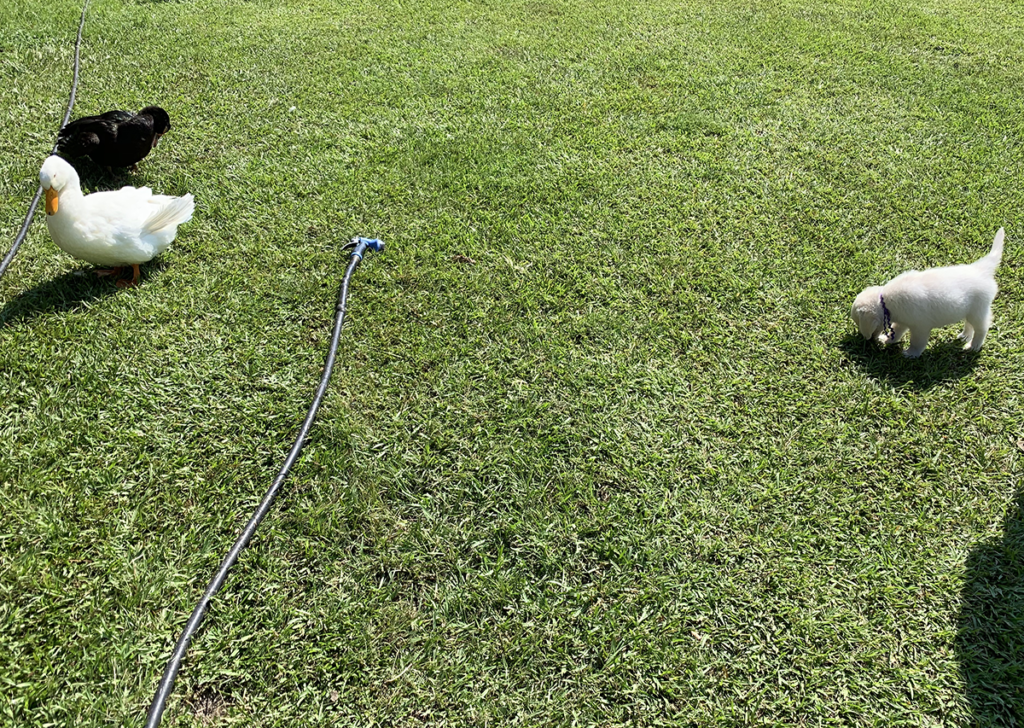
(121, 227)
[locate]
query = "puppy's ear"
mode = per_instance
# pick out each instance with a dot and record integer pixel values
(867, 312)
(869, 326)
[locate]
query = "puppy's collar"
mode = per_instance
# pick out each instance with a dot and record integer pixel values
(886, 318)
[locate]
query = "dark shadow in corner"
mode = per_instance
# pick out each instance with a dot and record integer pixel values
(943, 361)
(990, 630)
(68, 292)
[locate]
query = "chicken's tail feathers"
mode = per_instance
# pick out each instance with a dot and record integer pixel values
(178, 210)
(991, 261)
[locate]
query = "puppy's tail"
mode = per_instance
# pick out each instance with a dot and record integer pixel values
(991, 261)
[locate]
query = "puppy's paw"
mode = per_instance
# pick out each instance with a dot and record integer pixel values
(911, 354)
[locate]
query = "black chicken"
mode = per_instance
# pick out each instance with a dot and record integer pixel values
(116, 138)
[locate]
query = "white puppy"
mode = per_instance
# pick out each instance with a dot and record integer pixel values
(921, 300)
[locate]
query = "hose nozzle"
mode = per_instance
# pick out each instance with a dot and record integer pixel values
(362, 244)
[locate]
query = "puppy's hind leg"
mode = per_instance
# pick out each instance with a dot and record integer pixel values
(918, 341)
(978, 321)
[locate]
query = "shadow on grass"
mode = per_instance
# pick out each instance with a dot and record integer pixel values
(95, 178)
(68, 292)
(942, 361)
(990, 635)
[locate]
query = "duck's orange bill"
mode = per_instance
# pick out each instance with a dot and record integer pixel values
(51, 201)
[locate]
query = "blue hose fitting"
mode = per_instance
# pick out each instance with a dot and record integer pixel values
(362, 244)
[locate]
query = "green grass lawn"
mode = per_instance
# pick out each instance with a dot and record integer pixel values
(603, 446)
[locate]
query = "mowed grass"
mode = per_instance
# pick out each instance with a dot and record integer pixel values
(602, 447)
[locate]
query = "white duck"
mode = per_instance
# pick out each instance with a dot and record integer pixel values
(128, 226)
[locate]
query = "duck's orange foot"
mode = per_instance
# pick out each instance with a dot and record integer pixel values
(133, 282)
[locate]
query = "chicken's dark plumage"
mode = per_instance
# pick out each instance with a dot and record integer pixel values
(116, 138)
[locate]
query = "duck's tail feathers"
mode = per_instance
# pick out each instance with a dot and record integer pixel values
(69, 129)
(76, 144)
(177, 211)
(991, 261)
